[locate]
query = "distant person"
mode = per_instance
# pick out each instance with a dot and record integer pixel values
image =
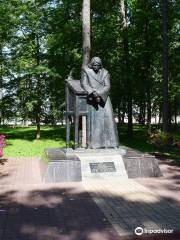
(96, 81)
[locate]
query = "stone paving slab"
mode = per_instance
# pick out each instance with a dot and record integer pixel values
(63, 211)
(128, 205)
(167, 186)
(94, 210)
(32, 210)
(20, 171)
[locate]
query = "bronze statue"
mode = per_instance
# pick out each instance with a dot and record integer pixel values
(96, 81)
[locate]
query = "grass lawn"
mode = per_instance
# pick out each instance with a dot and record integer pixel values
(21, 142)
(140, 142)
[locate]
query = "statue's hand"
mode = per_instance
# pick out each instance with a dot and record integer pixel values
(98, 99)
(90, 97)
(95, 94)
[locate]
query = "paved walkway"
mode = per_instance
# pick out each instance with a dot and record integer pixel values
(92, 210)
(127, 205)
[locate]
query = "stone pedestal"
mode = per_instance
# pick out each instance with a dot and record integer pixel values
(68, 165)
(140, 165)
(57, 167)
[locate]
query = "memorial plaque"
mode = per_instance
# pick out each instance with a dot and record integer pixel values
(102, 167)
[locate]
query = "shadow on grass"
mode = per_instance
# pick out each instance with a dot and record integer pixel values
(139, 142)
(29, 133)
(63, 213)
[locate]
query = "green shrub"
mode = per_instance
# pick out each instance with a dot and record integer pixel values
(161, 139)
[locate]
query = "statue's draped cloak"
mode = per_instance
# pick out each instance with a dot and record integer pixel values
(103, 130)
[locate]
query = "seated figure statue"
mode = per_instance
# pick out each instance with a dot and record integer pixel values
(96, 81)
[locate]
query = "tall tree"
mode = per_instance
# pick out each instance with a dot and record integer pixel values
(86, 26)
(123, 11)
(86, 32)
(30, 64)
(40, 42)
(6, 30)
(165, 65)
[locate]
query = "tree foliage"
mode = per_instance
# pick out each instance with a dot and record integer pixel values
(41, 41)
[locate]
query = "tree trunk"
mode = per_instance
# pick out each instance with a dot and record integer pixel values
(86, 26)
(38, 135)
(160, 115)
(165, 111)
(149, 108)
(147, 63)
(127, 63)
(155, 118)
(39, 100)
(175, 112)
(62, 118)
(170, 114)
(124, 113)
(86, 32)
(119, 114)
(142, 113)
(149, 114)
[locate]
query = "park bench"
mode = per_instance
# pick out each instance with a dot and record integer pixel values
(2, 144)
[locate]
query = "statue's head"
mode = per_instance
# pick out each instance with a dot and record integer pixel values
(95, 64)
